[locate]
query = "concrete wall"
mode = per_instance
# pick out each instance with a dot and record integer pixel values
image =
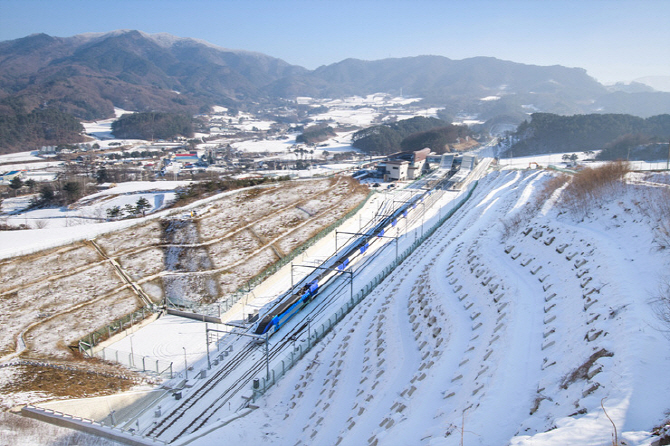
(125, 405)
(88, 426)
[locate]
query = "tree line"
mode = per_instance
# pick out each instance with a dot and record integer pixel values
(153, 125)
(45, 126)
(409, 134)
(315, 134)
(614, 133)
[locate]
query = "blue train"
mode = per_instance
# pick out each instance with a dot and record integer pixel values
(292, 304)
(287, 309)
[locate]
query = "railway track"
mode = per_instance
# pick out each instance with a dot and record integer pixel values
(239, 384)
(194, 397)
(202, 415)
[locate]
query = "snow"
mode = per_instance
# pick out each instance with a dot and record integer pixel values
(91, 209)
(482, 329)
(187, 341)
(102, 129)
(355, 111)
(29, 166)
(502, 347)
(18, 157)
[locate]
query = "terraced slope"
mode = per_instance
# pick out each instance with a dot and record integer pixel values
(499, 334)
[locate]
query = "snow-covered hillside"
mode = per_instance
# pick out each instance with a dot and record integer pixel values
(494, 333)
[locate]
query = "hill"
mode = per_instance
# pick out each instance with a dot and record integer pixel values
(88, 75)
(550, 133)
(495, 332)
(409, 134)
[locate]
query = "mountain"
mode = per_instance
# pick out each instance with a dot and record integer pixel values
(89, 74)
(659, 83)
(457, 85)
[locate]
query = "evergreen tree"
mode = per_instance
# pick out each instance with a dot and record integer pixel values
(16, 184)
(142, 205)
(101, 175)
(130, 210)
(113, 212)
(72, 191)
(30, 183)
(47, 195)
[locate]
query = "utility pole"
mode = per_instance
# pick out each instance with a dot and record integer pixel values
(209, 364)
(267, 359)
(185, 364)
(132, 353)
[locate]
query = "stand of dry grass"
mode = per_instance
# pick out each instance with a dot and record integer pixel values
(590, 185)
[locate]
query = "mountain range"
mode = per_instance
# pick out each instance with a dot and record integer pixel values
(87, 75)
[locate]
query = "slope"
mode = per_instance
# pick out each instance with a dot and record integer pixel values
(496, 332)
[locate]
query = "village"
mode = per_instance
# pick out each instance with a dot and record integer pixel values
(227, 144)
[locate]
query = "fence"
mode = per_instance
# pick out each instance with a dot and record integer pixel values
(261, 385)
(86, 345)
(140, 363)
(118, 434)
(229, 301)
(644, 165)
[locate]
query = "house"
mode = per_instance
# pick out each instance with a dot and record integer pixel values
(406, 165)
(191, 157)
(396, 170)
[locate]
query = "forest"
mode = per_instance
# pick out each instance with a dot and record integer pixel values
(20, 131)
(409, 134)
(549, 133)
(315, 134)
(153, 125)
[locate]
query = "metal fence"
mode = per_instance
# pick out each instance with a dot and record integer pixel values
(644, 165)
(262, 384)
(140, 363)
(87, 343)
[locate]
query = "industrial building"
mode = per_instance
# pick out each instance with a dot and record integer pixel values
(405, 165)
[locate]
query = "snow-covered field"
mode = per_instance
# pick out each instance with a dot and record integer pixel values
(511, 324)
(514, 339)
(93, 208)
(353, 111)
(102, 129)
(53, 298)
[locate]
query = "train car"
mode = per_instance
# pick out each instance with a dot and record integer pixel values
(287, 309)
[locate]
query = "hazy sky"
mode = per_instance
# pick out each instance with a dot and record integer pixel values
(614, 40)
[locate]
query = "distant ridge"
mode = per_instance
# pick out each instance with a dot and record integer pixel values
(658, 83)
(87, 75)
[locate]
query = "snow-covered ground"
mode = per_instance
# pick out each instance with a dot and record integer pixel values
(515, 341)
(514, 336)
(102, 129)
(354, 111)
(19, 157)
(91, 209)
(512, 324)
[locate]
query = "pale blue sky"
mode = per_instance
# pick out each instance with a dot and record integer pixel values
(614, 40)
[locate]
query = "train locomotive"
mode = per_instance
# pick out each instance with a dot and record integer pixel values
(292, 304)
(287, 309)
